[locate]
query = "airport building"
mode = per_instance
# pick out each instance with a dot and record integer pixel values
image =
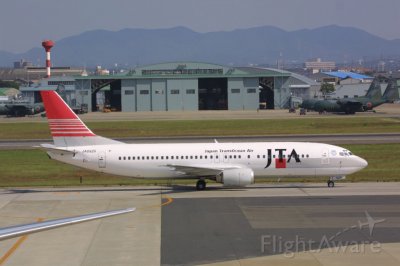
(183, 86)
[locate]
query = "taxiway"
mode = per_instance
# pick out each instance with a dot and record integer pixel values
(219, 226)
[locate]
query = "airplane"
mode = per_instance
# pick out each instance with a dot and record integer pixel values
(232, 164)
(20, 108)
(370, 222)
(19, 230)
(372, 99)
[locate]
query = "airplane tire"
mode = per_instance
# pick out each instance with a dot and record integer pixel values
(201, 185)
(331, 183)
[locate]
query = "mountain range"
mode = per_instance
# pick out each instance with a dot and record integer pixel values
(259, 45)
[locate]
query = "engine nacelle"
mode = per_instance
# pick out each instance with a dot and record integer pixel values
(237, 177)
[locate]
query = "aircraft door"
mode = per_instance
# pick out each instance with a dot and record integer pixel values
(102, 159)
(216, 157)
(325, 156)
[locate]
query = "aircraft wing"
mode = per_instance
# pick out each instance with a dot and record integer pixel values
(18, 230)
(196, 171)
(349, 101)
(350, 104)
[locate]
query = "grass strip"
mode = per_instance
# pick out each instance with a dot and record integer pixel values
(121, 129)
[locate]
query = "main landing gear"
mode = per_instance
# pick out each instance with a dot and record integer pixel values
(331, 183)
(201, 184)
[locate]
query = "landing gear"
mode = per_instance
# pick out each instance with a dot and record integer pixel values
(201, 184)
(331, 183)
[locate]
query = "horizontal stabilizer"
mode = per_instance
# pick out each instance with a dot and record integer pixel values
(50, 147)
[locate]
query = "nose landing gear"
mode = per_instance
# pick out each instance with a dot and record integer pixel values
(331, 181)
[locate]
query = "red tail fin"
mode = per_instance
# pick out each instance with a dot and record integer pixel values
(63, 121)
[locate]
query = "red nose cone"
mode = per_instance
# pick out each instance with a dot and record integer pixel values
(47, 44)
(369, 104)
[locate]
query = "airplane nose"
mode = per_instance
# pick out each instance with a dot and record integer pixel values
(361, 162)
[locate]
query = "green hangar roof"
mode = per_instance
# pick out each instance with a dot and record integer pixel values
(193, 70)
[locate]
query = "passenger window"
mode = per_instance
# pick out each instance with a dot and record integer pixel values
(201, 156)
(258, 156)
(124, 158)
(195, 157)
(205, 157)
(166, 157)
(152, 157)
(248, 156)
(119, 158)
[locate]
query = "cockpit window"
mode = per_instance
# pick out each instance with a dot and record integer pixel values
(345, 153)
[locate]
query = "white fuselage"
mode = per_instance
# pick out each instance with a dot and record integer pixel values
(264, 158)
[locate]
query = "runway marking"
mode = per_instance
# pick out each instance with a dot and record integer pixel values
(169, 201)
(15, 246)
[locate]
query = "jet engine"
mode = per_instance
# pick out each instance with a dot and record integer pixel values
(236, 177)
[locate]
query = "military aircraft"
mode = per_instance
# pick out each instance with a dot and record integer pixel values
(20, 108)
(372, 99)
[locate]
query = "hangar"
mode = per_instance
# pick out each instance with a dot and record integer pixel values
(184, 86)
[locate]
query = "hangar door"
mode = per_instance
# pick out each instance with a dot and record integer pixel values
(213, 94)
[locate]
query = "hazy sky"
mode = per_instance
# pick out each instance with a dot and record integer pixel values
(25, 23)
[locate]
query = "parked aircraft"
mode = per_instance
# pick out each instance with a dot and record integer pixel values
(372, 99)
(20, 108)
(232, 164)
